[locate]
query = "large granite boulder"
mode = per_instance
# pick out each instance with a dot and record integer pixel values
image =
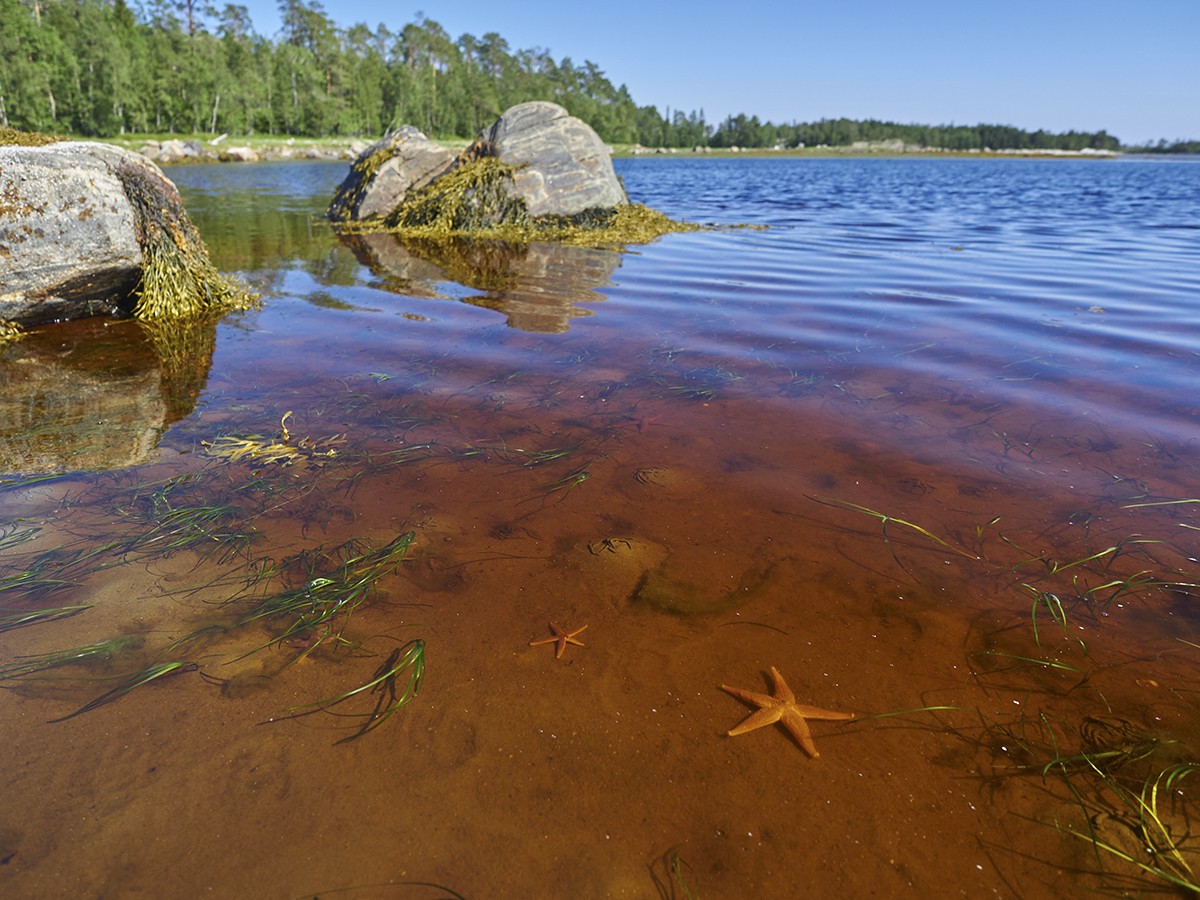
(68, 235)
(559, 168)
(564, 167)
(88, 228)
(384, 173)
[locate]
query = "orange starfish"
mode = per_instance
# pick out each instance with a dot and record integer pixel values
(562, 637)
(784, 709)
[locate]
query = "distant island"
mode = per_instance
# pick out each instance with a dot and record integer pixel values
(82, 68)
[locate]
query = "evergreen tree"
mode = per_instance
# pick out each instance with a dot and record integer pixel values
(94, 67)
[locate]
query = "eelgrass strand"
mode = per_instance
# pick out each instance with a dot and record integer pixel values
(326, 602)
(12, 618)
(26, 666)
(408, 659)
(885, 520)
(131, 683)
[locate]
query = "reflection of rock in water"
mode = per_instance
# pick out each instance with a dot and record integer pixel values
(90, 394)
(537, 286)
(398, 270)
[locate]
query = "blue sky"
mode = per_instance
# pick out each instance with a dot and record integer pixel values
(1129, 66)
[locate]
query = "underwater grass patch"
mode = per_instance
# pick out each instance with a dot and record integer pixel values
(173, 516)
(28, 666)
(394, 684)
(102, 653)
(1125, 786)
(885, 520)
(675, 882)
(28, 576)
(130, 683)
(1162, 851)
(568, 482)
(320, 608)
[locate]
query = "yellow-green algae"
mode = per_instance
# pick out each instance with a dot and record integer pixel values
(178, 279)
(12, 137)
(474, 200)
(365, 168)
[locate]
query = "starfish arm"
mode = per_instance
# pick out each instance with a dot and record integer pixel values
(758, 719)
(827, 715)
(749, 696)
(782, 691)
(798, 728)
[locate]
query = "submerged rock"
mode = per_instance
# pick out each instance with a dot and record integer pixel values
(88, 228)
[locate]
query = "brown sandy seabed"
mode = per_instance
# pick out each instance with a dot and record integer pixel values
(513, 774)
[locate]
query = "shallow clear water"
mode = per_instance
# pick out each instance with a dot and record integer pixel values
(925, 444)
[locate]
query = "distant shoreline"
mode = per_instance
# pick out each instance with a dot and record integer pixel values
(184, 149)
(884, 149)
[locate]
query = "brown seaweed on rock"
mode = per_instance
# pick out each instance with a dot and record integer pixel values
(13, 137)
(178, 279)
(474, 201)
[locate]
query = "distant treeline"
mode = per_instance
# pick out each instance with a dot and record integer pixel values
(1164, 146)
(98, 68)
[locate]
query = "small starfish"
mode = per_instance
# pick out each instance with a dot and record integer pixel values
(784, 709)
(562, 637)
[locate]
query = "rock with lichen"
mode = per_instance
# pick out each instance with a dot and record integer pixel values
(535, 162)
(384, 174)
(88, 228)
(562, 166)
(68, 243)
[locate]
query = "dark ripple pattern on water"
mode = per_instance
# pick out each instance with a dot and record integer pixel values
(963, 269)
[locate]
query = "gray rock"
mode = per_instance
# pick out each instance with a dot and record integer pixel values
(566, 168)
(385, 172)
(238, 154)
(68, 232)
(171, 151)
(563, 167)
